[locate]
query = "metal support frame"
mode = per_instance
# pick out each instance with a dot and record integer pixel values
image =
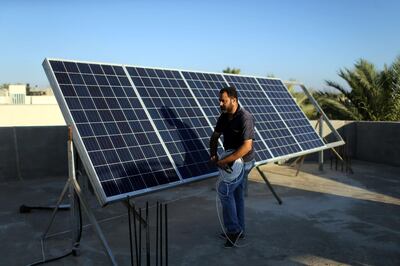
(299, 162)
(323, 115)
(339, 138)
(321, 153)
(268, 184)
(320, 123)
(77, 200)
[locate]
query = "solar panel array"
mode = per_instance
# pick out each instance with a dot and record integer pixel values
(144, 129)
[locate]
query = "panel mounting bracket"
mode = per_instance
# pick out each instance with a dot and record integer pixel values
(77, 201)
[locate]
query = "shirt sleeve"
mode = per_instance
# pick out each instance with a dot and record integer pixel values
(219, 127)
(248, 127)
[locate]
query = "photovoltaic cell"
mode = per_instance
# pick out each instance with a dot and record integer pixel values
(290, 112)
(122, 145)
(182, 126)
(268, 122)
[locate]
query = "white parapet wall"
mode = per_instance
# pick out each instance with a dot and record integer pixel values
(30, 115)
(43, 100)
(5, 100)
(326, 130)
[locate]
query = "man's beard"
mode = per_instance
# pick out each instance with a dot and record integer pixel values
(226, 109)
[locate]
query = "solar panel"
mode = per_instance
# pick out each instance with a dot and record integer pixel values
(178, 117)
(269, 124)
(142, 129)
(123, 148)
(206, 87)
(291, 114)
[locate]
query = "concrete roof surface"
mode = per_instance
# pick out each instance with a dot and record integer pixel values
(327, 218)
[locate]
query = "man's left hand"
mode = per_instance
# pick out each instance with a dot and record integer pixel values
(221, 164)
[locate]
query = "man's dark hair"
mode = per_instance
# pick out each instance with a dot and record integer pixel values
(231, 91)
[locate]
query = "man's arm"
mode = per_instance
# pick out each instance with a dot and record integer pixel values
(214, 145)
(239, 153)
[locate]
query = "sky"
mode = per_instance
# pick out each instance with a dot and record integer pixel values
(309, 41)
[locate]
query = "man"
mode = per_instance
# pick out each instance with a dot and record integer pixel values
(237, 127)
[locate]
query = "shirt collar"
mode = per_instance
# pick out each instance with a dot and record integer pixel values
(237, 110)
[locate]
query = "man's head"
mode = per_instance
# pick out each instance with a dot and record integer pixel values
(228, 100)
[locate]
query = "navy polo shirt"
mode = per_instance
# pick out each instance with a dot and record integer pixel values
(236, 130)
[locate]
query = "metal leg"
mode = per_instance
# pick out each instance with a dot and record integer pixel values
(93, 221)
(269, 185)
(300, 164)
(75, 220)
(53, 215)
(321, 153)
(295, 162)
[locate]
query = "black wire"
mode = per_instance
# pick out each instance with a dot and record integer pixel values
(140, 236)
(135, 232)
(157, 235)
(166, 233)
(147, 235)
(130, 230)
(161, 238)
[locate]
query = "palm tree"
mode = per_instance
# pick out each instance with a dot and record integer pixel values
(374, 95)
(301, 98)
(334, 105)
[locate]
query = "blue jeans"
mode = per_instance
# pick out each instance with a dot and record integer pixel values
(231, 195)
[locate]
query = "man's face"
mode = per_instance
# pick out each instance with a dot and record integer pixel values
(226, 103)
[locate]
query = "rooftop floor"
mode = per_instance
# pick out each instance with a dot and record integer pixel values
(327, 218)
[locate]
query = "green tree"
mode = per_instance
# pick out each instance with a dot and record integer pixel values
(4, 86)
(229, 70)
(302, 99)
(334, 105)
(374, 95)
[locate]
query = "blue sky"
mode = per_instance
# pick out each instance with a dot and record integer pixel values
(306, 40)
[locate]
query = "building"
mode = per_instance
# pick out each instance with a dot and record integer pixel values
(34, 107)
